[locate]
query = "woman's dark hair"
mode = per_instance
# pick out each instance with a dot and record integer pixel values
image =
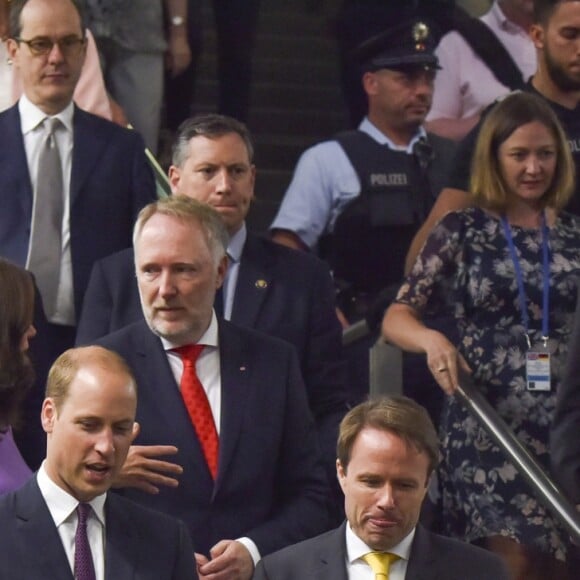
(16, 313)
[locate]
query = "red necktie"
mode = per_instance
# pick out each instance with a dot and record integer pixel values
(197, 405)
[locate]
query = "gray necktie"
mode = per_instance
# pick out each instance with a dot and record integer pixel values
(46, 236)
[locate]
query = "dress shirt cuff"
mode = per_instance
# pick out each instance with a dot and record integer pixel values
(252, 548)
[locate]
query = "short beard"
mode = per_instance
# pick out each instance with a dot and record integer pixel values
(558, 74)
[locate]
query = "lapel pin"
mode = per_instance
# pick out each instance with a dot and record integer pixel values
(242, 368)
(261, 284)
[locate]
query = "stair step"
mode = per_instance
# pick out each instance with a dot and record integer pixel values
(311, 72)
(271, 185)
(284, 95)
(310, 123)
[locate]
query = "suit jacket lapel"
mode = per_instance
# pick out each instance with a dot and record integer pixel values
(422, 559)
(166, 398)
(89, 142)
(235, 373)
(122, 546)
(254, 279)
(14, 166)
(332, 557)
(36, 528)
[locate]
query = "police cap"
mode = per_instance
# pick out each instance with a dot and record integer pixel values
(406, 46)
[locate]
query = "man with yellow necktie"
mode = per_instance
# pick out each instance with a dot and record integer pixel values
(387, 450)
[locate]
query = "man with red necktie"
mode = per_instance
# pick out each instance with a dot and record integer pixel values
(227, 442)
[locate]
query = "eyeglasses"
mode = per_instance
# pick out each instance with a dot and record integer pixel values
(69, 45)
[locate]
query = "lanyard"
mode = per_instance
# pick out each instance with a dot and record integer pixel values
(520, 280)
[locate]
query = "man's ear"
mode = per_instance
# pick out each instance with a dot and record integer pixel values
(48, 414)
(174, 175)
(341, 474)
(136, 429)
(537, 35)
(369, 83)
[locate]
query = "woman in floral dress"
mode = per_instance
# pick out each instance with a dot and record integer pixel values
(506, 267)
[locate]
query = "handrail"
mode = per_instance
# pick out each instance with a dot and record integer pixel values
(546, 491)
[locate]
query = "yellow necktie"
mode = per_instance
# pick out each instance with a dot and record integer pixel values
(380, 563)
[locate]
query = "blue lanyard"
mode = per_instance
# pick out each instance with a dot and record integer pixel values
(520, 279)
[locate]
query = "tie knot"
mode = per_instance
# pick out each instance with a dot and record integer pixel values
(380, 562)
(83, 512)
(51, 124)
(189, 353)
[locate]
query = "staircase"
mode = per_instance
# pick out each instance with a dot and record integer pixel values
(296, 99)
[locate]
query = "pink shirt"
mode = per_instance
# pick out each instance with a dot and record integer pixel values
(465, 85)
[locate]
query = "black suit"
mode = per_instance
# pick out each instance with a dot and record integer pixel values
(140, 544)
(281, 292)
(565, 433)
(433, 557)
(270, 485)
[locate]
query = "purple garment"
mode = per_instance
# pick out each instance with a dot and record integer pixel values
(13, 470)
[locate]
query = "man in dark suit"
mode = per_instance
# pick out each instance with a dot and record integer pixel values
(281, 292)
(103, 178)
(89, 419)
(565, 431)
(387, 450)
(247, 477)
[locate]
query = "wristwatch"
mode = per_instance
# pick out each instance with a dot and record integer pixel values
(177, 21)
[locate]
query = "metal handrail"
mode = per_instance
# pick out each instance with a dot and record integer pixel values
(546, 491)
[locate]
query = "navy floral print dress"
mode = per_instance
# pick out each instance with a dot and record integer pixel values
(466, 266)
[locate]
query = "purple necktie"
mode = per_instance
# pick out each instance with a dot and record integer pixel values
(84, 567)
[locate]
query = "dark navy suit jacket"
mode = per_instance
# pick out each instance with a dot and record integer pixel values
(281, 292)
(270, 484)
(140, 543)
(565, 432)
(110, 182)
(432, 557)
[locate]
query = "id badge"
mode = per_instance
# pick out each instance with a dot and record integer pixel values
(538, 370)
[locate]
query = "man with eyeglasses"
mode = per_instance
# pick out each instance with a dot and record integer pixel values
(72, 183)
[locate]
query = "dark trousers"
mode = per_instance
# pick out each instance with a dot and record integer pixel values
(236, 24)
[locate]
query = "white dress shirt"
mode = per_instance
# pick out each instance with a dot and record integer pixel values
(208, 372)
(358, 569)
(62, 507)
(31, 118)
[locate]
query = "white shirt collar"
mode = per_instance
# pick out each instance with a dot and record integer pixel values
(208, 338)
(31, 116)
(236, 244)
(367, 127)
(60, 503)
(356, 548)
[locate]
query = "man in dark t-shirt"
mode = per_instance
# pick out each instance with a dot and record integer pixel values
(554, 32)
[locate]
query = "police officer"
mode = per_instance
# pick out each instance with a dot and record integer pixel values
(361, 197)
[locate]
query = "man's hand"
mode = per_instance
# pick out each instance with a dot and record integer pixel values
(143, 471)
(230, 560)
(178, 54)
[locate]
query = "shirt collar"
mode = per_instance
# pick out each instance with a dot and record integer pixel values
(208, 338)
(373, 131)
(236, 244)
(31, 116)
(60, 503)
(356, 548)
(501, 20)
